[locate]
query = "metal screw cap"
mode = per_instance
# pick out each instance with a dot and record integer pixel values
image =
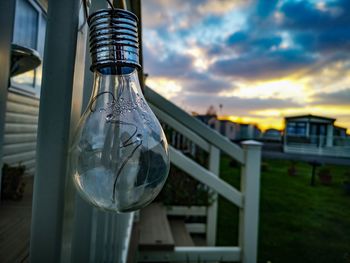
(113, 38)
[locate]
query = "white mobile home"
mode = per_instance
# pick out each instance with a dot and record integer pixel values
(312, 134)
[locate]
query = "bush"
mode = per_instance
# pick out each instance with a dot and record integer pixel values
(292, 170)
(325, 176)
(12, 186)
(347, 182)
(181, 189)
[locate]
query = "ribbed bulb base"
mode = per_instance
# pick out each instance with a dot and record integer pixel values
(113, 38)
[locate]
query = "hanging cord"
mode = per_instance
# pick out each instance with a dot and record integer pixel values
(86, 11)
(121, 5)
(110, 4)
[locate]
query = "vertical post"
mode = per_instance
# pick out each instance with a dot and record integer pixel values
(212, 214)
(285, 135)
(173, 137)
(329, 135)
(100, 236)
(92, 256)
(82, 233)
(70, 229)
(313, 175)
(7, 16)
(53, 131)
(249, 214)
(111, 232)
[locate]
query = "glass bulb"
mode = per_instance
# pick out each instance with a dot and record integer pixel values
(119, 156)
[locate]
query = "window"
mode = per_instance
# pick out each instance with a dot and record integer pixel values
(301, 129)
(291, 128)
(296, 128)
(29, 31)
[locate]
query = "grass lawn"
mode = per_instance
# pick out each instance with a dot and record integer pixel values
(298, 222)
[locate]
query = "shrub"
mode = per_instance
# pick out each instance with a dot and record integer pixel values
(325, 176)
(12, 186)
(181, 189)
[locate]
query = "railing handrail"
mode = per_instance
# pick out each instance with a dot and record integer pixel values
(206, 177)
(317, 136)
(246, 199)
(179, 127)
(210, 135)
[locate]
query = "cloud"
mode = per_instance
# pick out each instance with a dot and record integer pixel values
(176, 15)
(201, 49)
(341, 97)
(318, 27)
(234, 105)
(265, 8)
(304, 15)
(263, 65)
(243, 42)
(237, 38)
(204, 83)
(160, 13)
(330, 40)
(220, 7)
(171, 65)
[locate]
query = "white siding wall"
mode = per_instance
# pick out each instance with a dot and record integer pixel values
(21, 121)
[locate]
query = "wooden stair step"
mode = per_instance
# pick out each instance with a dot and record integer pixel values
(155, 232)
(181, 236)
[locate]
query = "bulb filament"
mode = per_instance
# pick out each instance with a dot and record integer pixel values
(111, 117)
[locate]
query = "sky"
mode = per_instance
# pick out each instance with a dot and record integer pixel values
(261, 60)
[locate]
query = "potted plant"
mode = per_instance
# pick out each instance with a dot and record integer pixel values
(347, 182)
(325, 176)
(183, 190)
(292, 170)
(12, 187)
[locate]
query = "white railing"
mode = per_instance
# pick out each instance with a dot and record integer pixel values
(247, 199)
(338, 146)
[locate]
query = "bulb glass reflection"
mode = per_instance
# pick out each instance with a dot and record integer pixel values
(119, 156)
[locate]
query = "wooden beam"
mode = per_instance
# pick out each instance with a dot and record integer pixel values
(181, 236)
(155, 232)
(187, 211)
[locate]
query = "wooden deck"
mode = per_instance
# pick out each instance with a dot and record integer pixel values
(15, 219)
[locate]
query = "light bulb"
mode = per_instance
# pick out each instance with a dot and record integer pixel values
(119, 155)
